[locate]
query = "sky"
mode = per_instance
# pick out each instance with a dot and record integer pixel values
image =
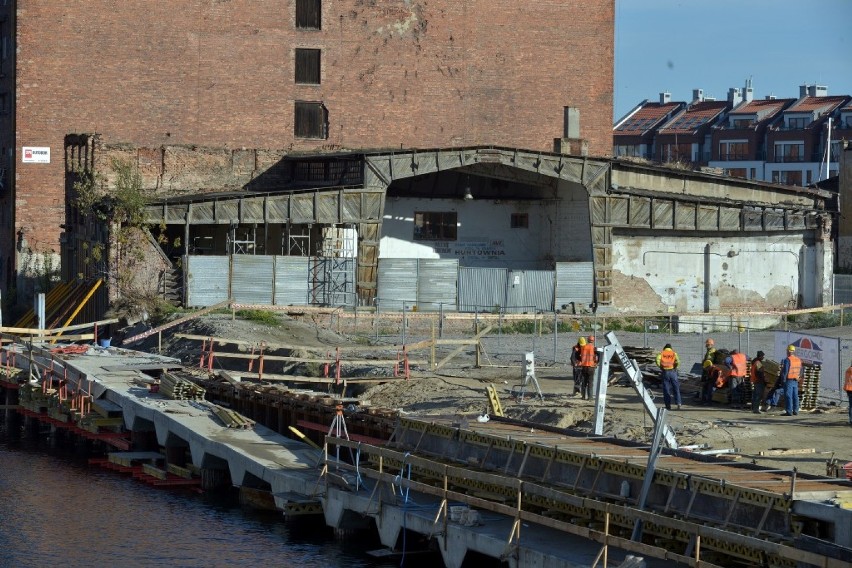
(680, 45)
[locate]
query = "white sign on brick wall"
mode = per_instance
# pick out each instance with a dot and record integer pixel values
(35, 155)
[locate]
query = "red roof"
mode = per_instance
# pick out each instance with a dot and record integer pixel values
(761, 106)
(821, 104)
(646, 118)
(694, 117)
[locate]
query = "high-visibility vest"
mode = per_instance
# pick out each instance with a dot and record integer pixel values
(587, 355)
(848, 383)
(708, 357)
(667, 359)
(795, 367)
(738, 365)
(755, 370)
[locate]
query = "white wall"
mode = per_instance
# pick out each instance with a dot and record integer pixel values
(484, 234)
(753, 272)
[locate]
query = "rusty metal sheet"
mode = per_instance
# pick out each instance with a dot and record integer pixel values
(302, 208)
(707, 218)
(663, 214)
(640, 211)
(729, 219)
(251, 210)
(684, 215)
(327, 208)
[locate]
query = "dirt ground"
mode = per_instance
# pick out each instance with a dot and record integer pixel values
(812, 438)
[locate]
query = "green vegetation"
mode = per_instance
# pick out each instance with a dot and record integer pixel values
(259, 316)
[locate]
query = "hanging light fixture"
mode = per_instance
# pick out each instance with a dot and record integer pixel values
(467, 194)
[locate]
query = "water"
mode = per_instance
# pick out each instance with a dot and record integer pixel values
(55, 510)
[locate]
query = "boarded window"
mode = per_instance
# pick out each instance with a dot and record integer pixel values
(439, 226)
(308, 14)
(520, 221)
(310, 120)
(308, 66)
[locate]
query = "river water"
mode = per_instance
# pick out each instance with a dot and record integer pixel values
(55, 510)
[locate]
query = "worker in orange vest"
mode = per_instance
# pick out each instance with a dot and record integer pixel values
(758, 382)
(737, 363)
(791, 374)
(668, 362)
(588, 362)
(847, 386)
(575, 363)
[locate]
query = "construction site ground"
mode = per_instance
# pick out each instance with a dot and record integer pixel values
(458, 389)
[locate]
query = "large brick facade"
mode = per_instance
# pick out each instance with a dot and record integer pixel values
(221, 73)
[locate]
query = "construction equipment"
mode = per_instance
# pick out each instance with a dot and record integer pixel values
(631, 369)
(519, 390)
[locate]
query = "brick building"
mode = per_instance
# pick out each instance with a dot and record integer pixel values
(292, 75)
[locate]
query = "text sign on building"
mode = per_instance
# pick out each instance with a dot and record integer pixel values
(35, 155)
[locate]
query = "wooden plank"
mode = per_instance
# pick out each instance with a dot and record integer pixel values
(458, 350)
(272, 346)
(316, 380)
(786, 452)
(256, 356)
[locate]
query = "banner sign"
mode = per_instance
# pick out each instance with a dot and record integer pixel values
(813, 350)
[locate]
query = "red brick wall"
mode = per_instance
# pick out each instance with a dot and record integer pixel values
(219, 73)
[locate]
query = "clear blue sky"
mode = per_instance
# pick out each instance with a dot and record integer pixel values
(681, 45)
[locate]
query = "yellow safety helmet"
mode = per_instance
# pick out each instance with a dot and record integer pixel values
(791, 348)
(582, 341)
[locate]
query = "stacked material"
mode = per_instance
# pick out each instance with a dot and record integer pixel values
(231, 419)
(809, 386)
(180, 389)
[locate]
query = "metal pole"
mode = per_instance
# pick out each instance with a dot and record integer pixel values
(404, 322)
(748, 336)
(645, 332)
(441, 320)
(555, 335)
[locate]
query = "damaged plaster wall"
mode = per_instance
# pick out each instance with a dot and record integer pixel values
(682, 273)
(176, 169)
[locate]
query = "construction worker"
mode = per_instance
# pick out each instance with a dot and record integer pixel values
(758, 382)
(706, 392)
(575, 363)
(791, 374)
(668, 362)
(588, 362)
(738, 364)
(847, 386)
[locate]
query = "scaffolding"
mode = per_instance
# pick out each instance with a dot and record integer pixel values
(333, 272)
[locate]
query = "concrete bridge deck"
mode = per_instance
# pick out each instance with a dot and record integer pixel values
(540, 498)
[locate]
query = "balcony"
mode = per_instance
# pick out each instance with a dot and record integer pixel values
(789, 158)
(742, 157)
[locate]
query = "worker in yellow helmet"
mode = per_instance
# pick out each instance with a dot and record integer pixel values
(707, 386)
(791, 375)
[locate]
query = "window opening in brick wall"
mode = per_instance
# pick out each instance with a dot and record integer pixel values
(308, 66)
(520, 221)
(435, 226)
(309, 14)
(310, 120)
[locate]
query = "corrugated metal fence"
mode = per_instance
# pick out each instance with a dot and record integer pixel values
(430, 284)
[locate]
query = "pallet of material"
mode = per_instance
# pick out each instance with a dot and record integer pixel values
(180, 389)
(232, 419)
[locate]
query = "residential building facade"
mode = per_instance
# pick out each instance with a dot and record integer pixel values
(781, 140)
